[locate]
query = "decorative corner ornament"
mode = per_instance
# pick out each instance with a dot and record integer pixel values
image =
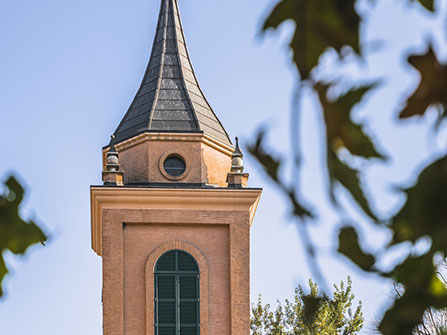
(236, 178)
(113, 176)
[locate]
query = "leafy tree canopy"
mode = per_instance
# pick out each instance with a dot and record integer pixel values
(310, 314)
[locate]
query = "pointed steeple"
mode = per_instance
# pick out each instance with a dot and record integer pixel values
(169, 98)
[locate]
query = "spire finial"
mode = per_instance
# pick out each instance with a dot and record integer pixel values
(112, 176)
(236, 178)
(112, 143)
(237, 164)
(112, 157)
(237, 151)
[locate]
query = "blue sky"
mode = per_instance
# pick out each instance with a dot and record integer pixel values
(68, 72)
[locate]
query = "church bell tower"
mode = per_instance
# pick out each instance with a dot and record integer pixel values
(172, 219)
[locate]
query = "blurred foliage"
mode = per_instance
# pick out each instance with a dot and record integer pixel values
(321, 25)
(16, 234)
(434, 321)
(310, 314)
(432, 87)
(342, 133)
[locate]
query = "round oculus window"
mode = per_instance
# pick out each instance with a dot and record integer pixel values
(174, 166)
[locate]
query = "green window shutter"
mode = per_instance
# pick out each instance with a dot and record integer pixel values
(176, 283)
(167, 262)
(186, 262)
(188, 313)
(166, 331)
(166, 287)
(188, 287)
(166, 312)
(189, 331)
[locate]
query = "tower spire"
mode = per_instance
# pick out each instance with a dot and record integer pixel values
(169, 98)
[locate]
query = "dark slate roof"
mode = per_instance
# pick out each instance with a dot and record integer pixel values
(169, 98)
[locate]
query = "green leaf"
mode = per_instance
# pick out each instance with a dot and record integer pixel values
(432, 89)
(415, 273)
(298, 209)
(271, 166)
(16, 235)
(423, 290)
(349, 178)
(341, 132)
(429, 4)
(3, 272)
(407, 312)
(348, 245)
(320, 24)
(424, 213)
(437, 286)
(268, 162)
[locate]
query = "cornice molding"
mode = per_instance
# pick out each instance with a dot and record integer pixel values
(185, 137)
(161, 198)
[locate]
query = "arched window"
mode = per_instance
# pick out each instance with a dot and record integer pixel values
(176, 282)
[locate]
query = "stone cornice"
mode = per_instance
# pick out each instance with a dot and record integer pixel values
(184, 137)
(167, 198)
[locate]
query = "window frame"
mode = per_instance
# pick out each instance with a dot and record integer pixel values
(177, 275)
(171, 170)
